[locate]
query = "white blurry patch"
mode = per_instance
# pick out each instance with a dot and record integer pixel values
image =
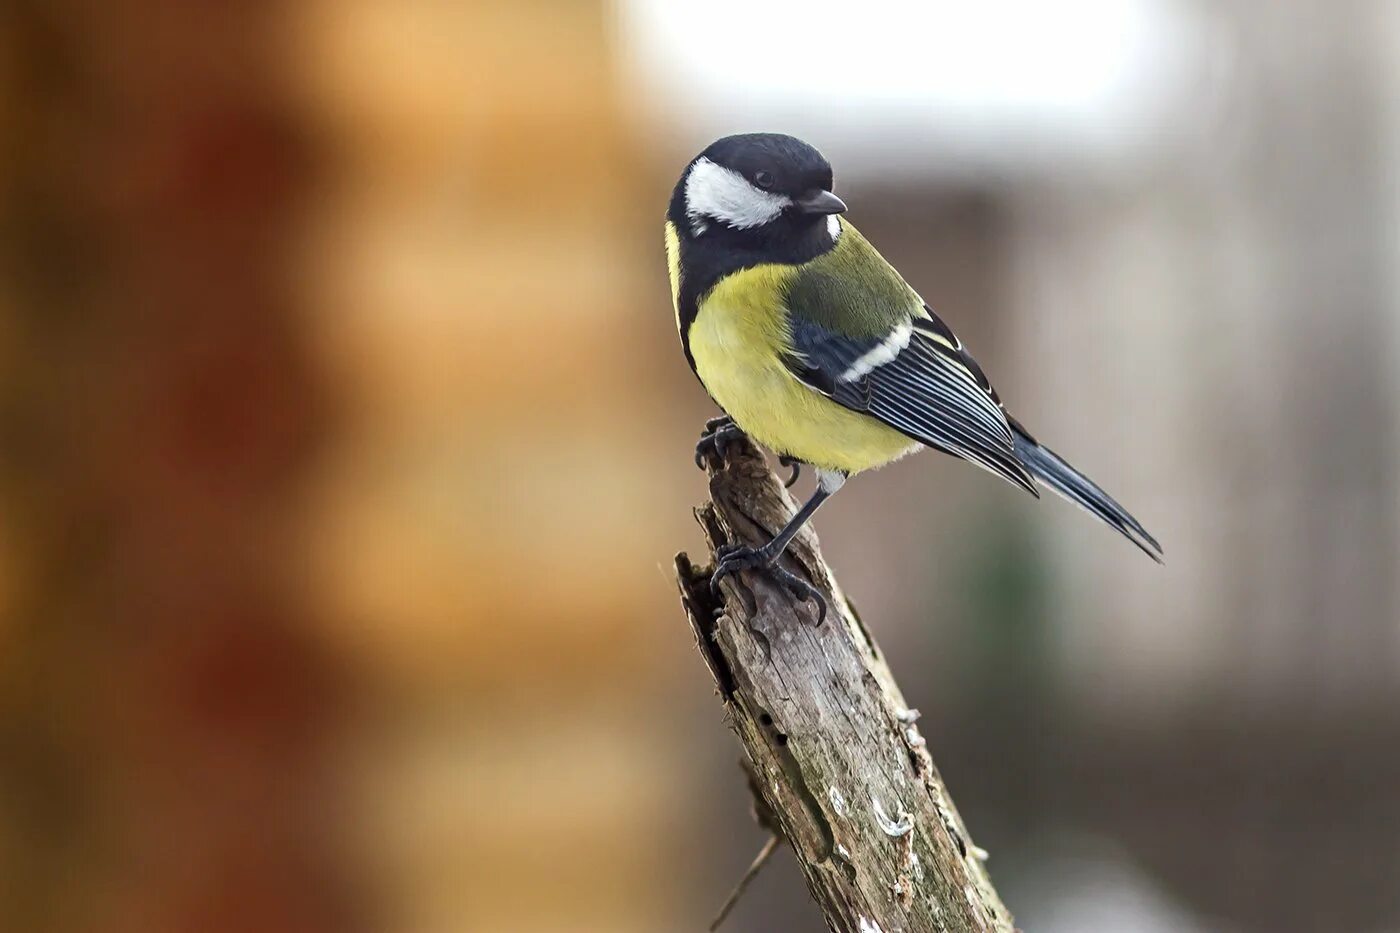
(722, 194)
(936, 89)
(830, 480)
(894, 828)
(887, 350)
(869, 926)
(833, 226)
(838, 802)
(1084, 883)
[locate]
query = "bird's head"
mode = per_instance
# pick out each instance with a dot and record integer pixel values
(756, 187)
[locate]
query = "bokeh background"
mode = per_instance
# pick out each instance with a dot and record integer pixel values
(346, 445)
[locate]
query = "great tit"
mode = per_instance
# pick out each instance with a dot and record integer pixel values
(814, 346)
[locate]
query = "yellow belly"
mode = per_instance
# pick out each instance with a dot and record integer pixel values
(736, 340)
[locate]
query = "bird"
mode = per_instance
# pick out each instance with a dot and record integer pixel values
(814, 346)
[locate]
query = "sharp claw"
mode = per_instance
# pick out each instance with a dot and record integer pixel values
(801, 589)
(796, 470)
(720, 573)
(732, 558)
(715, 440)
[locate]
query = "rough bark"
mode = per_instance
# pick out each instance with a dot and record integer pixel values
(836, 753)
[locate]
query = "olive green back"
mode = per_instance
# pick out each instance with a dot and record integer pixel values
(851, 289)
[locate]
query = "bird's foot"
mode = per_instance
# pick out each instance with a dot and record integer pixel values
(717, 422)
(796, 465)
(732, 558)
(714, 442)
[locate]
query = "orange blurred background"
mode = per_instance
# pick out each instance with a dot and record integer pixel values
(347, 445)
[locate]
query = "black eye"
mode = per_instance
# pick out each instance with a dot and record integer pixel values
(763, 180)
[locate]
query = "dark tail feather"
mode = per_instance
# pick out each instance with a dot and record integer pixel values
(1052, 471)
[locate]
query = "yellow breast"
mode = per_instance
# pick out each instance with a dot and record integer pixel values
(673, 267)
(737, 340)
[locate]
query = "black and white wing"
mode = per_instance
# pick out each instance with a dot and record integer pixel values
(917, 379)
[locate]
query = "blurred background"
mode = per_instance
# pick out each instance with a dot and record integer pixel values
(347, 444)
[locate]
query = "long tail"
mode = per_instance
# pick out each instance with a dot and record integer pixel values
(1051, 470)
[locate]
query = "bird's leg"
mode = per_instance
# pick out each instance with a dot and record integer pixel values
(796, 466)
(719, 433)
(733, 558)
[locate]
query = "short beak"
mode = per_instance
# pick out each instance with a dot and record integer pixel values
(819, 202)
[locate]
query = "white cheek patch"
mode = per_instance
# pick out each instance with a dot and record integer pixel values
(833, 226)
(718, 193)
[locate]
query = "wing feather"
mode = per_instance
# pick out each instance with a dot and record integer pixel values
(920, 386)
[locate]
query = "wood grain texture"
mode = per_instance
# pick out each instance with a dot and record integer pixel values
(835, 752)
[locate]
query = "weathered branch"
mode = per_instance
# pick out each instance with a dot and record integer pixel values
(839, 761)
